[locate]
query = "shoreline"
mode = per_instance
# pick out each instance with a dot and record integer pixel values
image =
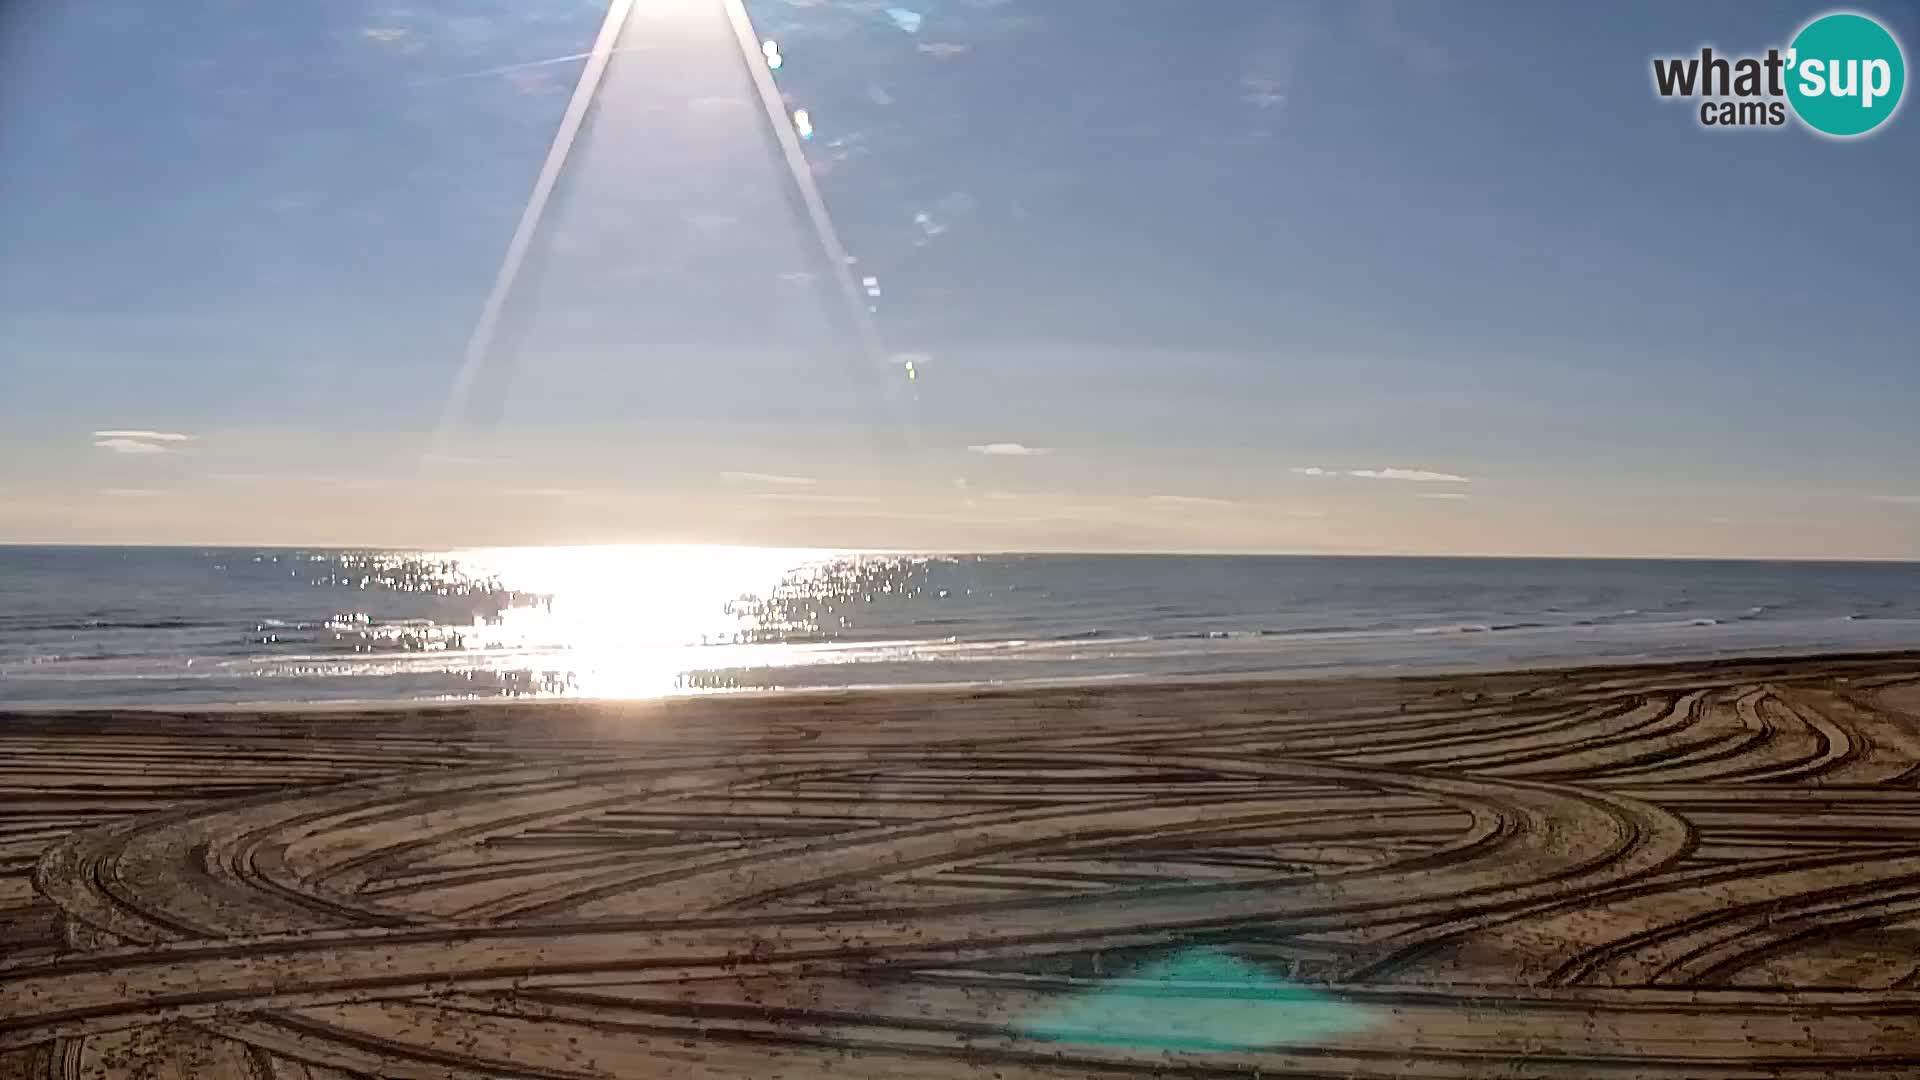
(1370, 676)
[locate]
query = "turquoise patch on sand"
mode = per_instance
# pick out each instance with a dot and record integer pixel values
(1199, 999)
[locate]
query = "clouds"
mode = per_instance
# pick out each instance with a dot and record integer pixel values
(1261, 92)
(139, 441)
(1006, 449)
(767, 479)
(1415, 476)
(1411, 476)
(815, 498)
(144, 435)
(1901, 500)
(1442, 495)
(1198, 502)
(132, 493)
(129, 446)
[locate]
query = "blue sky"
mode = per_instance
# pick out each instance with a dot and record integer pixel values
(1248, 275)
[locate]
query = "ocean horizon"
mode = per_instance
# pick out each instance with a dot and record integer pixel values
(88, 626)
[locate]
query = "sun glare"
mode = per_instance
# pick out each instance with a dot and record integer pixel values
(630, 621)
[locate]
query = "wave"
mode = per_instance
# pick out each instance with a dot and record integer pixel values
(1331, 628)
(1608, 620)
(70, 625)
(1083, 635)
(1372, 630)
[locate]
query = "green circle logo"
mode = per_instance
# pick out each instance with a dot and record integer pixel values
(1845, 74)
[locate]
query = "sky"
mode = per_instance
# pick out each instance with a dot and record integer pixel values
(1252, 275)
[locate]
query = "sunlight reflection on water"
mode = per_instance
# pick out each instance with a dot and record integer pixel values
(253, 625)
(635, 621)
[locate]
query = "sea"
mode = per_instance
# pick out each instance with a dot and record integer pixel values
(167, 627)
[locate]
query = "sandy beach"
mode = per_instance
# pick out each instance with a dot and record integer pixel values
(1692, 870)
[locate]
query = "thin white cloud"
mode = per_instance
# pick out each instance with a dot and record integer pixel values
(139, 440)
(1189, 500)
(1442, 495)
(143, 435)
(596, 497)
(131, 446)
(451, 460)
(551, 492)
(288, 201)
(1417, 476)
(1311, 470)
(1262, 92)
(347, 483)
(943, 50)
(1903, 500)
(1006, 449)
(768, 479)
(131, 493)
(813, 498)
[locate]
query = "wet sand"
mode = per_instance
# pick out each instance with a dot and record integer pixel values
(1692, 870)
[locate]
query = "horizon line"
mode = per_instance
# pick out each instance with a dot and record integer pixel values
(1893, 560)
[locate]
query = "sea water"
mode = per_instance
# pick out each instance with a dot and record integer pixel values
(189, 626)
